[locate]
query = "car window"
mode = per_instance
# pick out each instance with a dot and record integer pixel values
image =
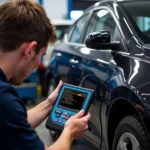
(102, 20)
(60, 30)
(143, 23)
(76, 35)
(138, 13)
(69, 34)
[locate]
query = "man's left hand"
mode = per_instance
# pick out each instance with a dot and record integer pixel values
(53, 96)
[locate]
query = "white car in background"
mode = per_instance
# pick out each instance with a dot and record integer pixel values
(60, 28)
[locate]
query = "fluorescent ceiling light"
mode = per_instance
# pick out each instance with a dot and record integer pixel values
(75, 14)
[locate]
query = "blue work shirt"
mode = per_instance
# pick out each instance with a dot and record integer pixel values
(15, 131)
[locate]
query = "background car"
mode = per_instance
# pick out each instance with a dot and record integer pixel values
(60, 28)
(28, 89)
(116, 64)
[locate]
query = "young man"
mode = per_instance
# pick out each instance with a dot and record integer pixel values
(25, 32)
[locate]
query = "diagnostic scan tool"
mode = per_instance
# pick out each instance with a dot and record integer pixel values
(70, 101)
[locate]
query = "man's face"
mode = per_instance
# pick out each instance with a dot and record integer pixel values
(27, 66)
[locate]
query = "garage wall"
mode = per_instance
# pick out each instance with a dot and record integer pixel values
(2, 2)
(56, 9)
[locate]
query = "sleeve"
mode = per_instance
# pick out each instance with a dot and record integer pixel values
(17, 132)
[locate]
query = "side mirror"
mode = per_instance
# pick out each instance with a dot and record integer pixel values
(101, 40)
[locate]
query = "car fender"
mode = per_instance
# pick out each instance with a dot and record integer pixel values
(126, 94)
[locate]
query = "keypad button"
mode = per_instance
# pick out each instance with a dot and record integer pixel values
(65, 113)
(57, 115)
(58, 111)
(63, 116)
(67, 117)
(56, 120)
(60, 121)
(63, 123)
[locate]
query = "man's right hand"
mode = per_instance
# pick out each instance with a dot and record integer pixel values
(77, 125)
(74, 128)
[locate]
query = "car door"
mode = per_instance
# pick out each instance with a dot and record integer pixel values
(68, 53)
(97, 63)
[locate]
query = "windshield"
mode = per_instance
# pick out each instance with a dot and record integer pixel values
(139, 14)
(60, 30)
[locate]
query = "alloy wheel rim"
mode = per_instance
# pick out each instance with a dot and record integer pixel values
(128, 141)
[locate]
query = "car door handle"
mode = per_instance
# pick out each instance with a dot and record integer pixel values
(74, 61)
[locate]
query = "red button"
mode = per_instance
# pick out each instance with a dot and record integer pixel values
(67, 117)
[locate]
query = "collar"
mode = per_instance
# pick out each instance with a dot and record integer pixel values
(3, 76)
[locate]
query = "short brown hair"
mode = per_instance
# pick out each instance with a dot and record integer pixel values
(24, 21)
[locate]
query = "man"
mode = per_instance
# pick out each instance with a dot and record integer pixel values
(25, 32)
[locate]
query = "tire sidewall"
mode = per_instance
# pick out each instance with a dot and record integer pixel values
(127, 125)
(54, 135)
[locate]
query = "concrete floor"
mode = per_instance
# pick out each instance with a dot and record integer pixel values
(45, 137)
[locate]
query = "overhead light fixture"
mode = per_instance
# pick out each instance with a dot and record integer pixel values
(75, 14)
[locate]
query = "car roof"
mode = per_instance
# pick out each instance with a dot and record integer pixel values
(106, 2)
(62, 22)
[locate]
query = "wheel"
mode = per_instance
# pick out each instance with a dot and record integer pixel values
(54, 135)
(131, 135)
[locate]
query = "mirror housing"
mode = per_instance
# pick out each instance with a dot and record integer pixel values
(101, 40)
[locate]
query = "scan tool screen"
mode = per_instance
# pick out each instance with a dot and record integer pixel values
(72, 99)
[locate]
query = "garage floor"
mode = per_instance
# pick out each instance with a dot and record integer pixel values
(45, 137)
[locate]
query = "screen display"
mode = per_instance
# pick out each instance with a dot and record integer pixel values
(72, 99)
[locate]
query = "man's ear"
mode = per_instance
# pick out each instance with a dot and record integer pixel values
(29, 49)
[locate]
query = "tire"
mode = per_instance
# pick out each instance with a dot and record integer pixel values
(131, 135)
(54, 135)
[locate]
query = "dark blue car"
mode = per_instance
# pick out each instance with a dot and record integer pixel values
(110, 45)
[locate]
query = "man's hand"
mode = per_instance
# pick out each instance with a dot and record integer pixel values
(77, 125)
(74, 128)
(53, 96)
(39, 113)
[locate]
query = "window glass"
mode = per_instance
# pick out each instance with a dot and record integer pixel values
(70, 33)
(143, 23)
(138, 13)
(76, 36)
(102, 20)
(60, 30)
